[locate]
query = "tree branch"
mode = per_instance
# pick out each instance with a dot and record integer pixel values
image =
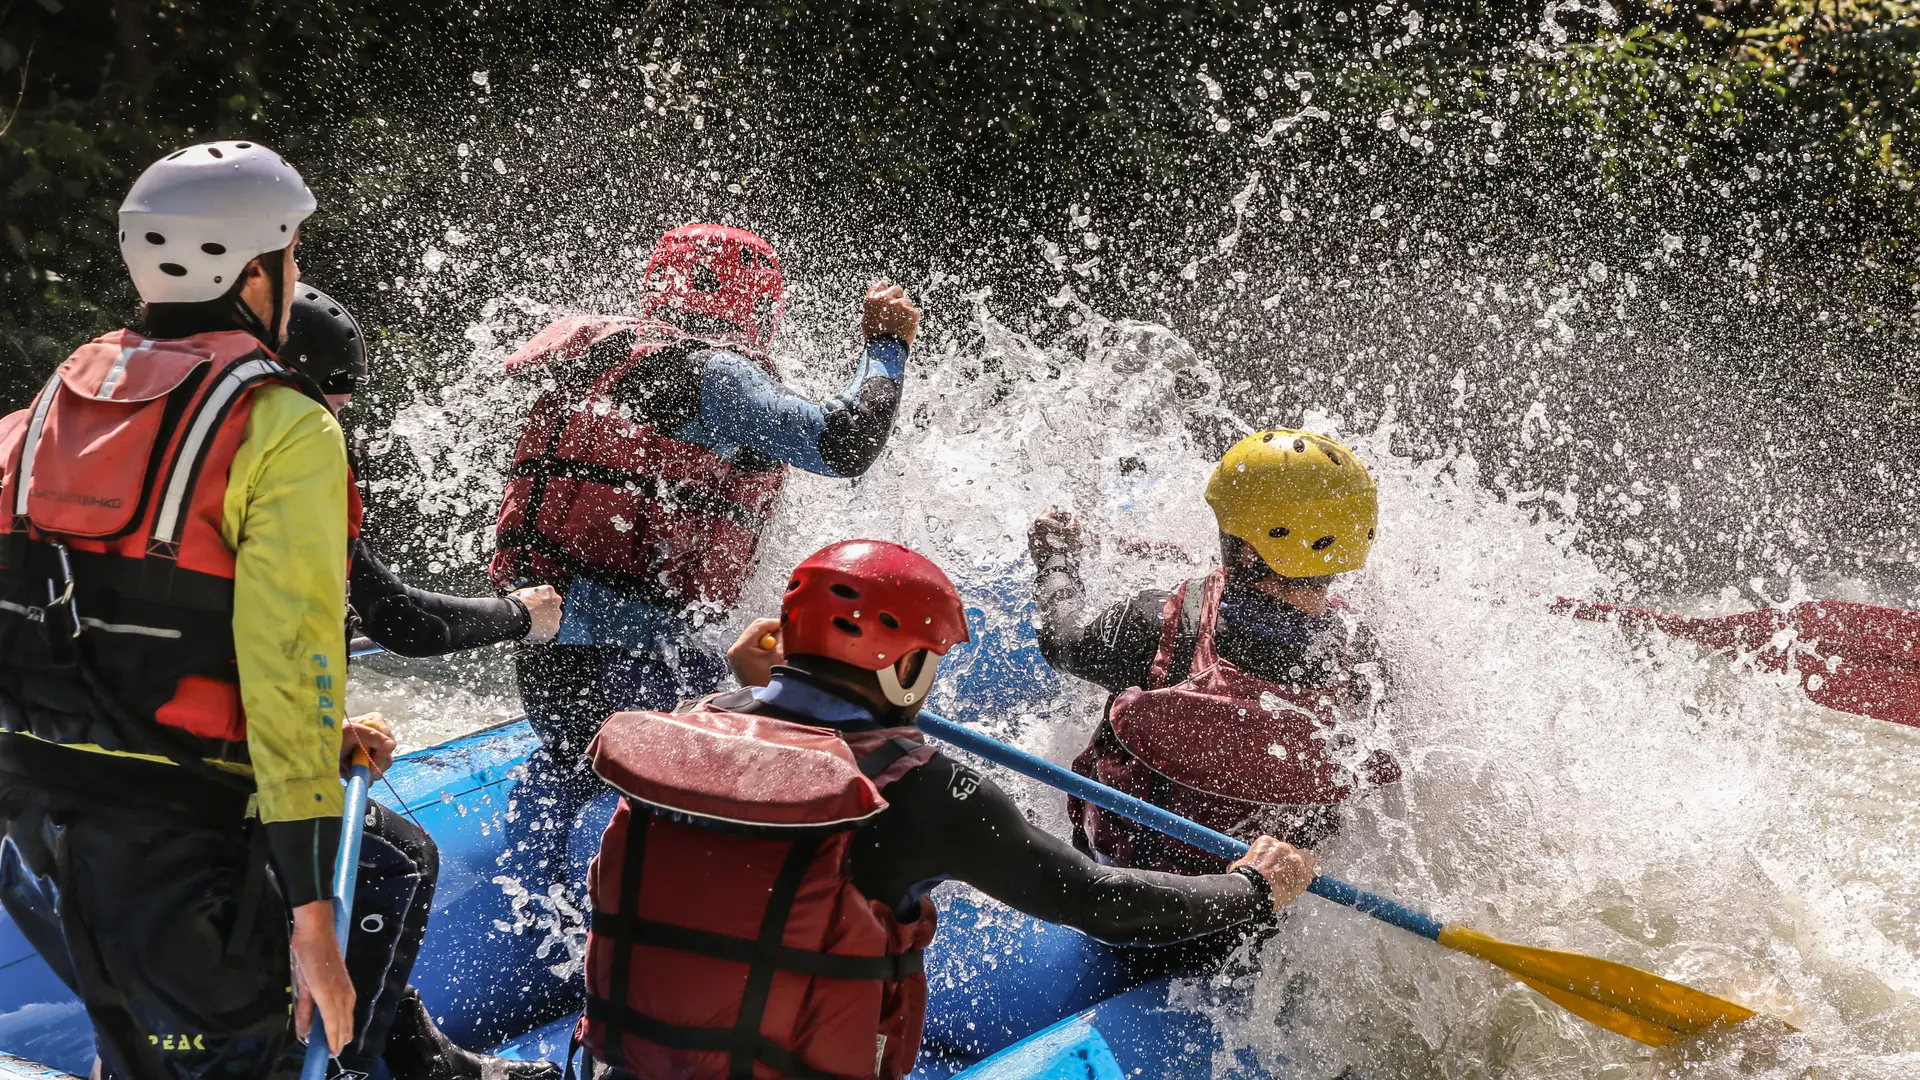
(25, 66)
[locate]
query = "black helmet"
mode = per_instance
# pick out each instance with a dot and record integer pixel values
(324, 342)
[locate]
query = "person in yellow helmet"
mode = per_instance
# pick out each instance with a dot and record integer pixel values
(1242, 698)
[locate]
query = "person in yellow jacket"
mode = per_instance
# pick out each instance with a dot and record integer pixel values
(173, 559)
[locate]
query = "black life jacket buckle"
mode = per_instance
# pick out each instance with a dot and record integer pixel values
(61, 606)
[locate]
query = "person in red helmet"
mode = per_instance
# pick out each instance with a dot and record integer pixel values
(653, 457)
(810, 812)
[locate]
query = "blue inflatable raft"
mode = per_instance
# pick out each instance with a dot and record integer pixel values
(1010, 998)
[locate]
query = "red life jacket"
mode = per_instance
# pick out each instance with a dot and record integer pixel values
(728, 939)
(1234, 752)
(122, 461)
(595, 494)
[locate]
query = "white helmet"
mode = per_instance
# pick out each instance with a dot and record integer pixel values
(198, 216)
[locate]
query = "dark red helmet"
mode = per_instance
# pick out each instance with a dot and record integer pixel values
(868, 603)
(716, 281)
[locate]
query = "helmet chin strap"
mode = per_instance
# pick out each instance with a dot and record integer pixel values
(271, 333)
(908, 696)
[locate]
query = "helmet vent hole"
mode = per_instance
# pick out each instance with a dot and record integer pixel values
(175, 156)
(847, 626)
(1299, 446)
(243, 146)
(705, 280)
(352, 333)
(1333, 457)
(844, 592)
(1369, 534)
(1268, 437)
(1323, 543)
(333, 312)
(215, 151)
(793, 584)
(1278, 532)
(889, 621)
(214, 249)
(746, 257)
(217, 279)
(155, 238)
(173, 269)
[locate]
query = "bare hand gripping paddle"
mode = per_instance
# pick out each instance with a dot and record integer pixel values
(353, 822)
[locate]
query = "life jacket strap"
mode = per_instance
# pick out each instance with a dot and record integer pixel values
(690, 498)
(741, 950)
(620, 982)
(773, 927)
(883, 757)
(704, 1040)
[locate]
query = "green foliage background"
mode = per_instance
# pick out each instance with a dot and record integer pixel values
(1751, 163)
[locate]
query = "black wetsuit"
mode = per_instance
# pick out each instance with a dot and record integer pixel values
(1262, 636)
(944, 821)
(414, 622)
(399, 862)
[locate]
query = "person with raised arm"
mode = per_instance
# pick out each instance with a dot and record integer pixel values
(652, 459)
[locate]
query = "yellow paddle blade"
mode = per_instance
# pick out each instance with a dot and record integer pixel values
(1638, 1004)
(1612, 1019)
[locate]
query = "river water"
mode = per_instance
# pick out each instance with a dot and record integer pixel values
(1567, 785)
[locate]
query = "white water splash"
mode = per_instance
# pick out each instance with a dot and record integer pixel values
(1566, 785)
(552, 914)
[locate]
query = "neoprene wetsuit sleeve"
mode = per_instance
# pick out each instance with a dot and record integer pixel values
(415, 622)
(285, 517)
(1115, 649)
(741, 404)
(946, 821)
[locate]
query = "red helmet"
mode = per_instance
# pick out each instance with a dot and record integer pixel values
(868, 603)
(718, 273)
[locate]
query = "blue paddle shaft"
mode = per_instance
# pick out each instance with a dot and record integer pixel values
(1217, 843)
(346, 871)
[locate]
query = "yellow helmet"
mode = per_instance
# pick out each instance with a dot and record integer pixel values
(1301, 500)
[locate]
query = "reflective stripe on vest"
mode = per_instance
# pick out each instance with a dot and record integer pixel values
(34, 427)
(212, 410)
(162, 677)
